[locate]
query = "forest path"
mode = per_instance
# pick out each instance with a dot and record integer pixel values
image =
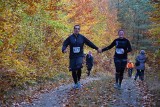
(132, 94)
(56, 97)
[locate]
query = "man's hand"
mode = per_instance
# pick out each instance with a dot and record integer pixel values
(99, 50)
(65, 51)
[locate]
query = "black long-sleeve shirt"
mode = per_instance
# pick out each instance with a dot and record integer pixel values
(89, 60)
(123, 46)
(76, 44)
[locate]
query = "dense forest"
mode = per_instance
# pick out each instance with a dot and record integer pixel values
(32, 32)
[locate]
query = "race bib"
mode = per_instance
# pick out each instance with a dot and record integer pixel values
(76, 49)
(119, 50)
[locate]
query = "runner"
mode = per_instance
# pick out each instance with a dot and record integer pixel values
(123, 47)
(89, 62)
(76, 42)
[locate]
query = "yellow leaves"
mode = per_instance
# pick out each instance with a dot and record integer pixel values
(18, 63)
(31, 35)
(156, 31)
(155, 18)
(8, 28)
(2, 7)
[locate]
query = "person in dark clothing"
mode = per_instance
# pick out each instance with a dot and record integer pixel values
(89, 62)
(76, 42)
(141, 67)
(122, 47)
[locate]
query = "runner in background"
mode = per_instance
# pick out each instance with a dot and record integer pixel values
(89, 62)
(130, 67)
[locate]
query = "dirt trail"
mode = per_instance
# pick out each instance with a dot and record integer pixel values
(129, 96)
(56, 97)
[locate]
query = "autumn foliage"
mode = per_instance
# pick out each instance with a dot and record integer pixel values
(32, 32)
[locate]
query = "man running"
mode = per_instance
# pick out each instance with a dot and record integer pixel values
(120, 57)
(76, 42)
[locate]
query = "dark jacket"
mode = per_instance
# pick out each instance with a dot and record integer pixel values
(76, 45)
(123, 46)
(142, 59)
(89, 61)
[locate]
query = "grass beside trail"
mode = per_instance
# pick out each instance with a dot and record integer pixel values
(96, 93)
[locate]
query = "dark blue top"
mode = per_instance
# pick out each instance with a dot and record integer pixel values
(122, 46)
(76, 44)
(89, 60)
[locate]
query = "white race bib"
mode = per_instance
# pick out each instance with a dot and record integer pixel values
(119, 50)
(76, 49)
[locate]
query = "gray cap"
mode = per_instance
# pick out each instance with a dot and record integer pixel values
(142, 52)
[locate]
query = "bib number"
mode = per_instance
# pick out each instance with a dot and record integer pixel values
(119, 50)
(76, 49)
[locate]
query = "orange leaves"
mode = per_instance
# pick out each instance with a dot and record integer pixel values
(32, 6)
(31, 1)
(80, 11)
(31, 9)
(2, 19)
(52, 5)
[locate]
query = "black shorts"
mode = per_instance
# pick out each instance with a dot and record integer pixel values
(75, 63)
(120, 64)
(89, 66)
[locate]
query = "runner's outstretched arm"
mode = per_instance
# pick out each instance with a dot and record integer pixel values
(90, 44)
(65, 44)
(109, 47)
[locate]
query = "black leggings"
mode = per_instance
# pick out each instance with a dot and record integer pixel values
(120, 65)
(140, 73)
(76, 75)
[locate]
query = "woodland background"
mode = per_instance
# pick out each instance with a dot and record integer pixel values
(32, 32)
